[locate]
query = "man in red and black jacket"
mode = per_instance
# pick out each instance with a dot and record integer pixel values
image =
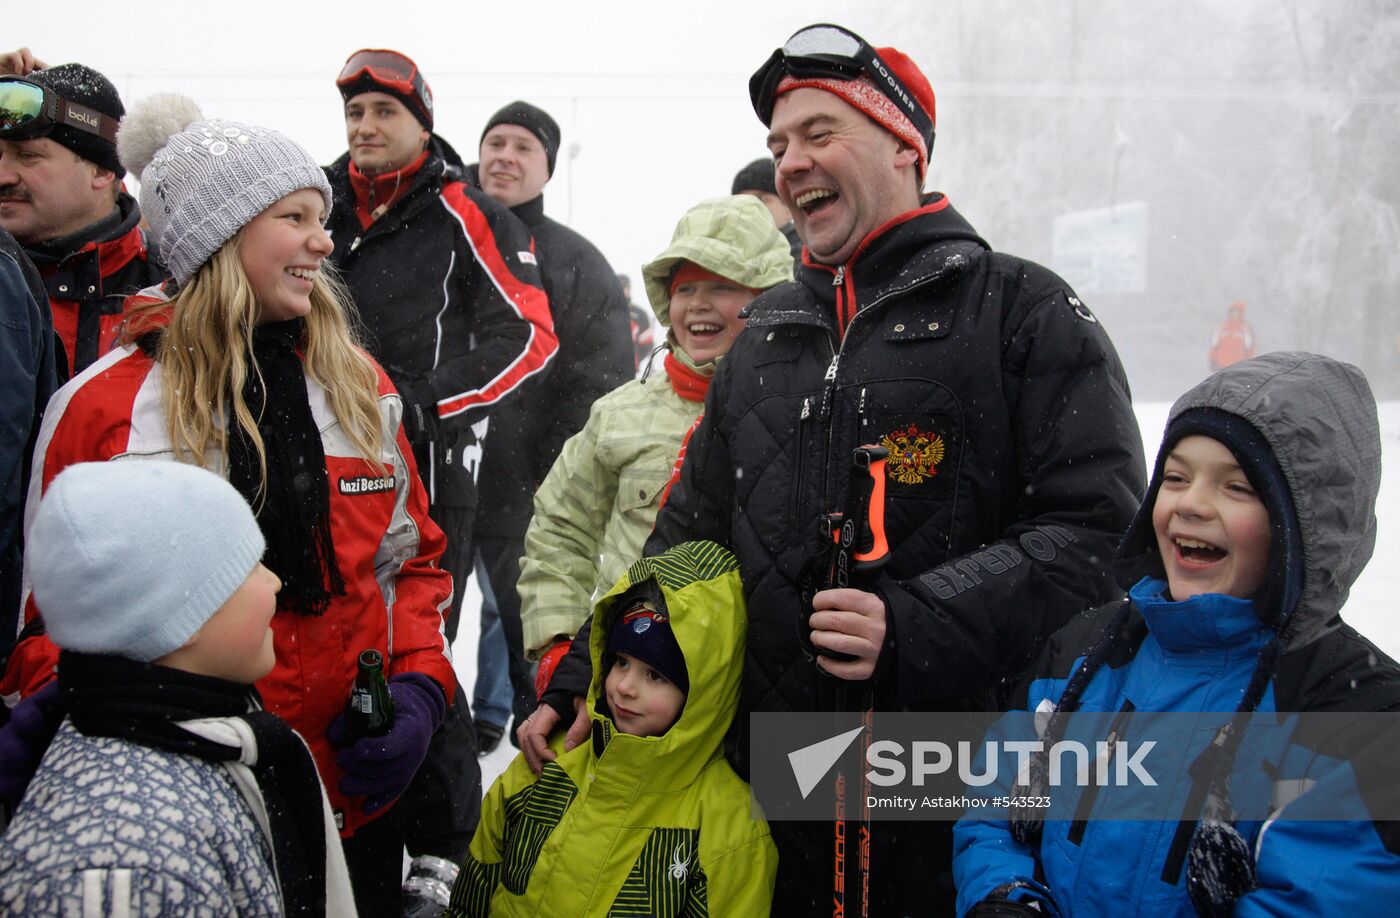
(452, 305)
(61, 198)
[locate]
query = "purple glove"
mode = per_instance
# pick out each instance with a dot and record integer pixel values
(379, 768)
(24, 740)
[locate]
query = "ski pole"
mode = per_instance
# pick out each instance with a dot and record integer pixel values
(860, 549)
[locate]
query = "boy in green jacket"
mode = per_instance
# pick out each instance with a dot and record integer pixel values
(648, 817)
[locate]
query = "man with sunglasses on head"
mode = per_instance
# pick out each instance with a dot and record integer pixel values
(61, 197)
(451, 304)
(1014, 457)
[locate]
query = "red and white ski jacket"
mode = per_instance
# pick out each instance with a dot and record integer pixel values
(385, 544)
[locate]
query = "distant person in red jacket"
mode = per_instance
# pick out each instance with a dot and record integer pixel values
(643, 334)
(1233, 340)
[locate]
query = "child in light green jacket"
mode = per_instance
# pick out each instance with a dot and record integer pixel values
(648, 818)
(598, 503)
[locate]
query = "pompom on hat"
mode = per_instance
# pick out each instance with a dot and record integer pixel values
(203, 180)
(131, 558)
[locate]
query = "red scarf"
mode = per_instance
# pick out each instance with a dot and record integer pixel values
(374, 196)
(688, 383)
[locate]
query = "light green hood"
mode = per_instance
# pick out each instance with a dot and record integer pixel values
(704, 597)
(732, 236)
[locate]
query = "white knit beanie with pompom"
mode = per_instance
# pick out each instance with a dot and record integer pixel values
(202, 180)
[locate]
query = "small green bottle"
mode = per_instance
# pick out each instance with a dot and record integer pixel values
(371, 708)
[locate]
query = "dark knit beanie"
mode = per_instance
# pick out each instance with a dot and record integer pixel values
(85, 86)
(643, 630)
(533, 119)
(1257, 461)
(758, 175)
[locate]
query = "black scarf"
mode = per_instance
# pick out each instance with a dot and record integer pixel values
(143, 703)
(294, 513)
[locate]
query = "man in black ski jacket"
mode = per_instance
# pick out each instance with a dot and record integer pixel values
(518, 150)
(450, 303)
(1015, 460)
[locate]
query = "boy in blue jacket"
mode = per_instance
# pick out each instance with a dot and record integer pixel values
(1259, 517)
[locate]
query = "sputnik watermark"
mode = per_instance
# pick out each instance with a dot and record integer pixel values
(1097, 765)
(886, 758)
(1109, 763)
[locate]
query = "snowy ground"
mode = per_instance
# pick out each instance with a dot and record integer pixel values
(1370, 609)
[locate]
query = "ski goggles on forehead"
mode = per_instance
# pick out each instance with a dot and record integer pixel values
(29, 111)
(831, 52)
(387, 68)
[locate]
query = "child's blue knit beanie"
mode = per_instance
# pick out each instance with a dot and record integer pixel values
(642, 629)
(131, 558)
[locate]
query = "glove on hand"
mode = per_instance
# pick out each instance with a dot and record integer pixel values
(24, 740)
(419, 409)
(1006, 908)
(379, 768)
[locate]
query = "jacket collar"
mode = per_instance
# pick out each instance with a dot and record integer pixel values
(77, 267)
(531, 213)
(908, 251)
(1211, 622)
(385, 190)
(427, 182)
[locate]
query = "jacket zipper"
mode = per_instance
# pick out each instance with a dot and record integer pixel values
(1085, 807)
(804, 414)
(829, 394)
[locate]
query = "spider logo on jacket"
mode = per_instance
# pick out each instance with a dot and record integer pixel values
(680, 863)
(914, 454)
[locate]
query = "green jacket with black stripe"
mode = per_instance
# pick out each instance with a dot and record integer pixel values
(629, 825)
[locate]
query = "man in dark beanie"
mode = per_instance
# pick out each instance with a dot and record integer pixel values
(61, 197)
(451, 306)
(519, 148)
(1014, 459)
(757, 179)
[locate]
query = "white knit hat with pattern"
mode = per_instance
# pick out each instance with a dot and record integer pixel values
(201, 181)
(130, 558)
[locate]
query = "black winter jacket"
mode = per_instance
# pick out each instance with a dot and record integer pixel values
(450, 304)
(595, 357)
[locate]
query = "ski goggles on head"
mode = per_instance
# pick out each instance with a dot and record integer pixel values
(29, 111)
(827, 51)
(385, 68)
